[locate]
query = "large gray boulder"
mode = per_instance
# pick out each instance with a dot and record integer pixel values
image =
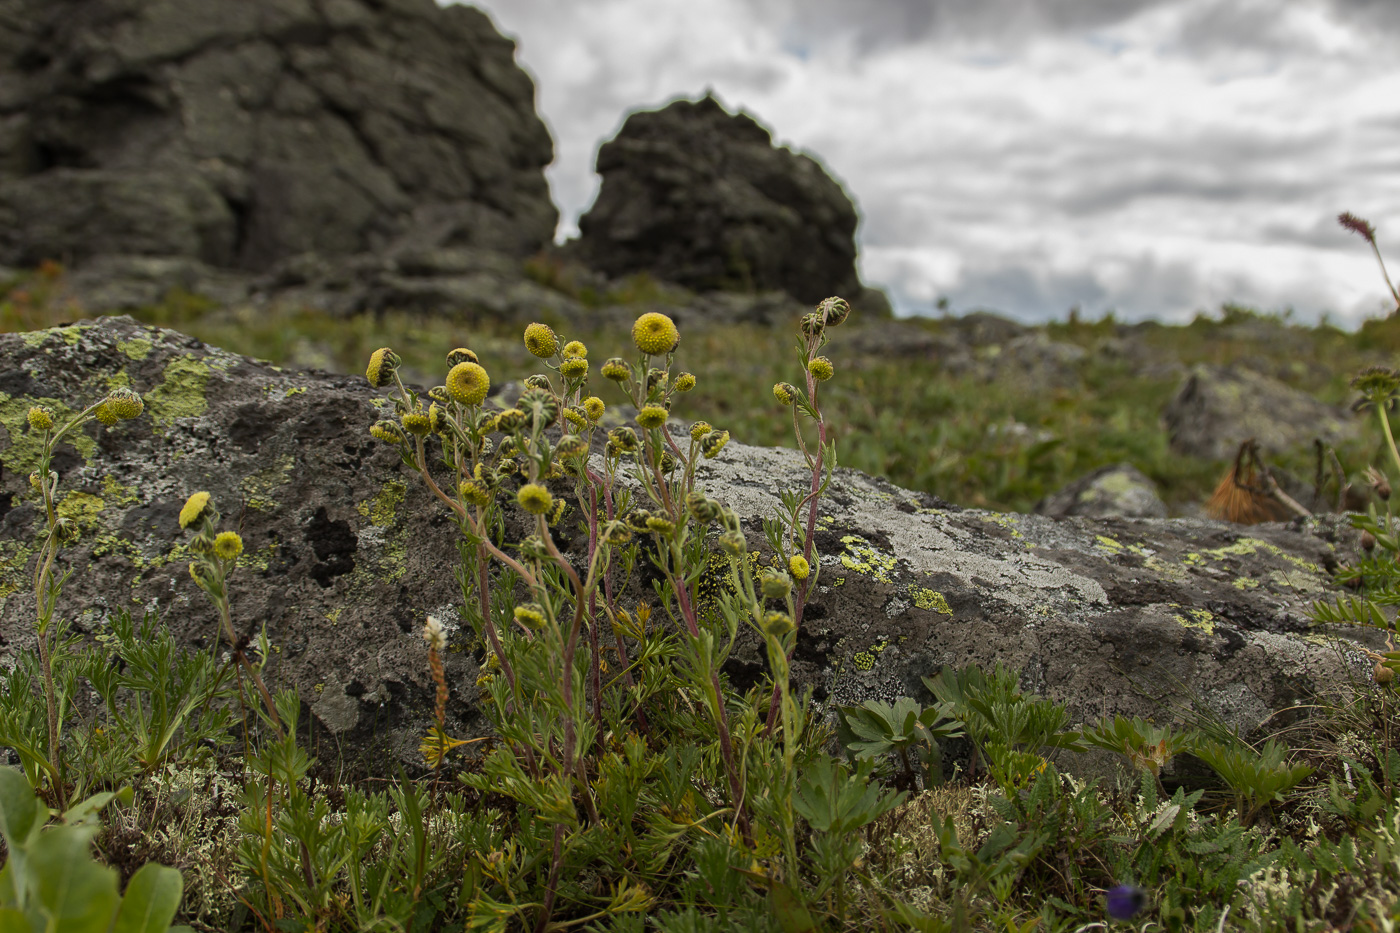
(695, 195)
(1217, 408)
(242, 132)
(346, 553)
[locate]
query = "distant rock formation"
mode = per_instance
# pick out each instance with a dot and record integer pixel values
(241, 133)
(698, 196)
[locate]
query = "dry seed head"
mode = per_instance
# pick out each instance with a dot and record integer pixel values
(714, 443)
(732, 543)
(1358, 226)
(195, 508)
(1382, 674)
(834, 311)
(468, 383)
(571, 445)
(382, 363)
(534, 499)
(228, 545)
(41, 418)
(775, 584)
(125, 404)
(1379, 482)
(541, 341)
(461, 355)
(655, 334)
(616, 533)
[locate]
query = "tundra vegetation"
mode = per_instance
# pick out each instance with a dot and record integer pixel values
(626, 784)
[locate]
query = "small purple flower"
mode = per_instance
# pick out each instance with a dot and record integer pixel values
(1125, 901)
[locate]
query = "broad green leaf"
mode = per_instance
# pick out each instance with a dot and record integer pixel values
(19, 809)
(77, 894)
(152, 897)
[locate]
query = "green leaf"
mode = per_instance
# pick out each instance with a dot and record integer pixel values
(74, 892)
(792, 914)
(20, 817)
(152, 897)
(12, 921)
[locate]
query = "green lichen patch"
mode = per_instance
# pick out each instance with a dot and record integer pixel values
(138, 348)
(181, 392)
(1295, 580)
(862, 557)
(14, 562)
(256, 487)
(1246, 583)
(381, 509)
(928, 599)
(118, 494)
(1202, 619)
(25, 447)
(1246, 546)
(1107, 545)
(83, 509)
(865, 660)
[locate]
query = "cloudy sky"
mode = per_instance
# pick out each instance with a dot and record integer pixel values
(1156, 157)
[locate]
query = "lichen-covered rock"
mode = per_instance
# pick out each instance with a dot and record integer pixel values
(241, 132)
(1218, 408)
(346, 553)
(1119, 490)
(701, 197)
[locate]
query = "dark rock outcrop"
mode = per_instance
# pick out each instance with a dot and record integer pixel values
(698, 196)
(345, 554)
(240, 133)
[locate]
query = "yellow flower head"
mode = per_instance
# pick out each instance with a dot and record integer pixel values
(785, 393)
(617, 370)
(575, 349)
(530, 615)
(777, 624)
(577, 418)
(541, 341)
(652, 416)
(733, 543)
(534, 499)
(699, 429)
(474, 493)
(382, 363)
(798, 567)
(228, 545)
(575, 368)
(821, 369)
(105, 414)
(418, 423)
(125, 404)
(40, 418)
(468, 383)
(655, 334)
(194, 509)
(775, 584)
(685, 382)
(594, 407)
(461, 355)
(386, 431)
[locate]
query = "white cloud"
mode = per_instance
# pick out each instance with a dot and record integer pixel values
(1156, 157)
